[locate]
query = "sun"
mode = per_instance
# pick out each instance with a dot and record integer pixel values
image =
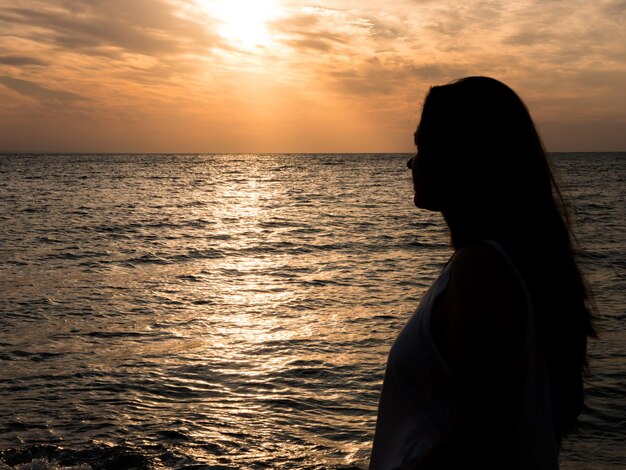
(242, 22)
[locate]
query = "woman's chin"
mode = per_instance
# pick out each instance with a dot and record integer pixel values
(423, 203)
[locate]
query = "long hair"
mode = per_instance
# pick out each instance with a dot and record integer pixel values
(485, 163)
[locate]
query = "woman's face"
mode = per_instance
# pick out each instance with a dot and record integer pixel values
(427, 181)
(411, 163)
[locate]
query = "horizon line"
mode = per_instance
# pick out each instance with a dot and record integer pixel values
(38, 152)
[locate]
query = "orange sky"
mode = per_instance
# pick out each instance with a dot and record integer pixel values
(297, 76)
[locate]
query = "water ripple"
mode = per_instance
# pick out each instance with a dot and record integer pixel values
(235, 311)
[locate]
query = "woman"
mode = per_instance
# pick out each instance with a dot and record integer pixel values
(488, 372)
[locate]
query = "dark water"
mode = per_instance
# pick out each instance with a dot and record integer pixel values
(235, 311)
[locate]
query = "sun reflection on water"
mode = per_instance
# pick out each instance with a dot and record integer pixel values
(234, 317)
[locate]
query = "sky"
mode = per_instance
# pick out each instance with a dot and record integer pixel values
(297, 76)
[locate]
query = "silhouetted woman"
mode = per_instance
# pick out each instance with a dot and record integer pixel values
(488, 372)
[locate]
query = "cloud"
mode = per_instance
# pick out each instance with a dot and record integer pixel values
(337, 63)
(316, 28)
(615, 9)
(118, 53)
(373, 77)
(150, 27)
(530, 38)
(387, 30)
(40, 93)
(20, 60)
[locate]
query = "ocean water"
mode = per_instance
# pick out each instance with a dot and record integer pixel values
(235, 311)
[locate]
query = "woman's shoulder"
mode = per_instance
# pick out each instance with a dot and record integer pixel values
(482, 263)
(484, 282)
(479, 254)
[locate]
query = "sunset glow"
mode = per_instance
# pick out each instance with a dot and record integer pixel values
(292, 76)
(243, 22)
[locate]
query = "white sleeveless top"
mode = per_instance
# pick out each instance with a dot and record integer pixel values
(413, 411)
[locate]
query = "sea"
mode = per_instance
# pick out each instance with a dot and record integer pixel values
(235, 311)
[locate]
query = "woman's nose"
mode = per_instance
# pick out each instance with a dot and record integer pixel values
(409, 162)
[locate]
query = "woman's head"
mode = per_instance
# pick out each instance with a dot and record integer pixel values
(478, 151)
(481, 163)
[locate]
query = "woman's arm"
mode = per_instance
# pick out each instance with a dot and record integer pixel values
(483, 315)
